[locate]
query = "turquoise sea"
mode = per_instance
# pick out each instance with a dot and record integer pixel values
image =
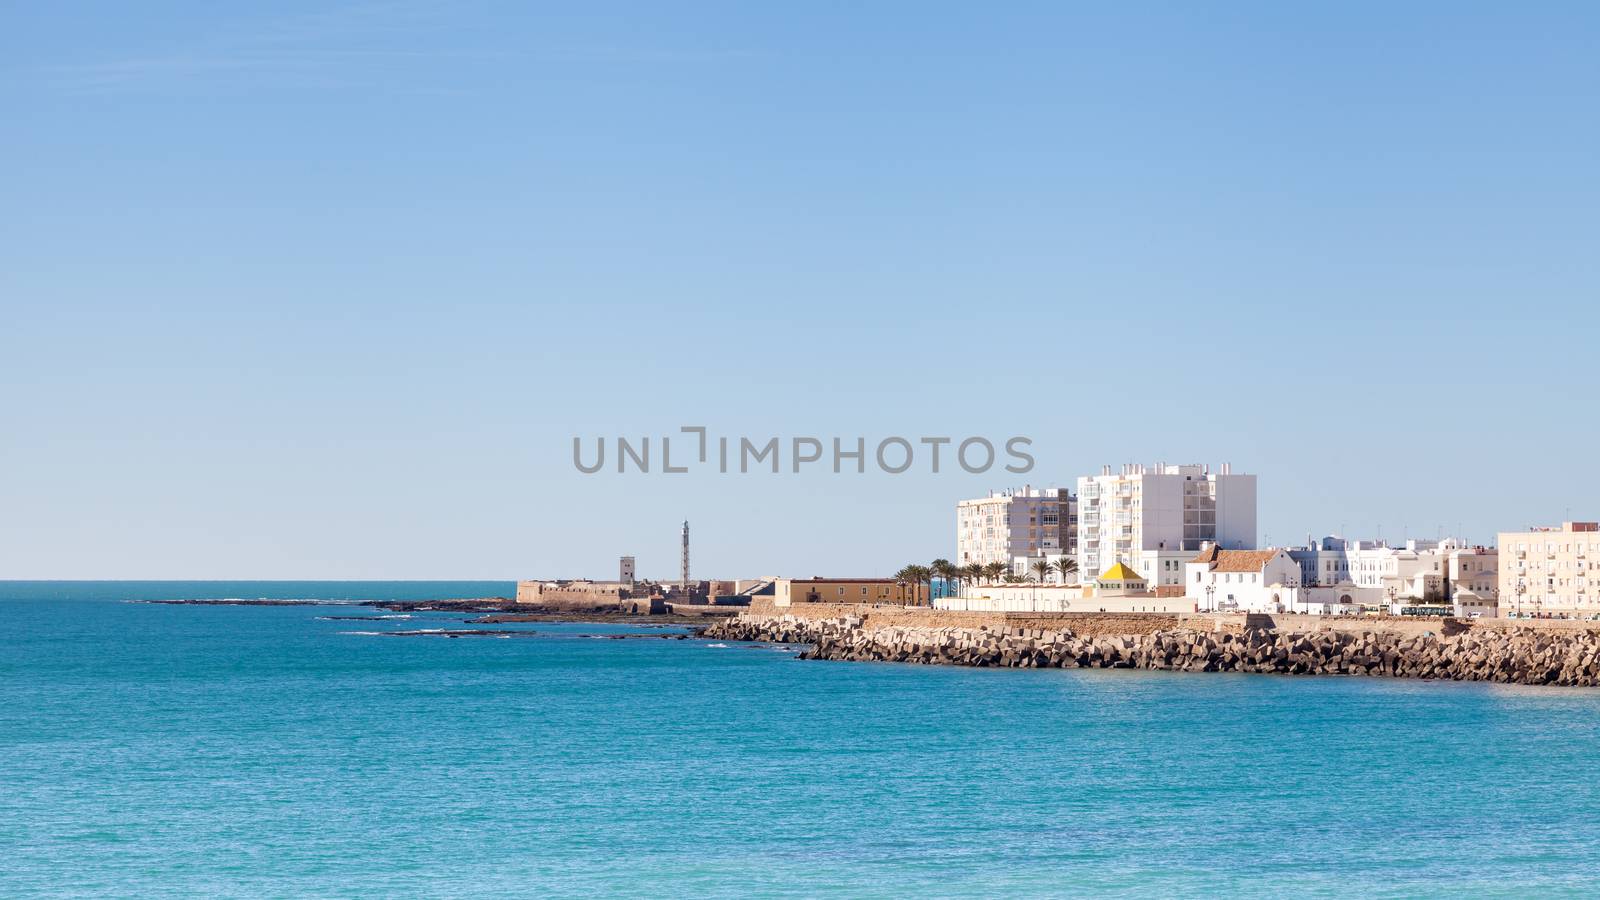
(150, 750)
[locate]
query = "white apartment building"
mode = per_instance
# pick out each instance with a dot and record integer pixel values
(1156, 518)
(1029, 522)
(1551, 571)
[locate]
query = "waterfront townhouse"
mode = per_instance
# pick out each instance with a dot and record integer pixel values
(1550, 571)
(1028, 522)
(1156, 518)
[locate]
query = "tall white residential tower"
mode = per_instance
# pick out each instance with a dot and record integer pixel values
(1156, 518)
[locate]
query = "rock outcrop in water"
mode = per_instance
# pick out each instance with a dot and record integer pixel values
(1513, 656)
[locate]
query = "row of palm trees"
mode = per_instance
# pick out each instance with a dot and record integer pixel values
(978, 573)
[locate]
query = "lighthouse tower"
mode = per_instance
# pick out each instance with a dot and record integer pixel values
(685, 583)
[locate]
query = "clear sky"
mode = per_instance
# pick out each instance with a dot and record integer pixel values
(325, 290)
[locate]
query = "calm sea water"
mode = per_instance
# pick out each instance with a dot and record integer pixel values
(153, 750)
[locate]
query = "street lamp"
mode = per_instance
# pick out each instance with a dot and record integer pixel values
(1211, 595)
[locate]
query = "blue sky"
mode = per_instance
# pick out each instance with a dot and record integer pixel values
(300, 290)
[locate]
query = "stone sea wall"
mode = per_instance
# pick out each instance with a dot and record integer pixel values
(876, 615)
(1509, 656)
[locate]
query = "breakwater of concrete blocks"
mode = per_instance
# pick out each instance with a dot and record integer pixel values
(1509, 656)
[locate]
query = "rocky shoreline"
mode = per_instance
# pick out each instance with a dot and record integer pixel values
(1504, 656)
(493, 610)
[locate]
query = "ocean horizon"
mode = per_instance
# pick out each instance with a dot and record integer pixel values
(163, 750)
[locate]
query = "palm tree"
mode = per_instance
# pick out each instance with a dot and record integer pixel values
(973, 571)
(917, 575)
(1013, 578)
(906, 575)
(944, 570)
(993, 571)
(1065, 566)
(1040, 570)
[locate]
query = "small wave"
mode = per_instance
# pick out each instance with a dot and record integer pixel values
(723, 646)
(398, 616)
(364, 633)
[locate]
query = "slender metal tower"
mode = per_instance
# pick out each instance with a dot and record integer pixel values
(685, 583)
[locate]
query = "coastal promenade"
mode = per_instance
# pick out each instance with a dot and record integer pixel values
(1543, 653)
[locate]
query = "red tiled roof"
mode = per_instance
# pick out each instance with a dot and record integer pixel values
(1236, 560)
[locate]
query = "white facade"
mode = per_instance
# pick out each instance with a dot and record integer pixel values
(1169, 510)
(1161, 568)
(1426, 570)
(1023, 567)
(1030, 522)
(1323, 562)
(1266, 581)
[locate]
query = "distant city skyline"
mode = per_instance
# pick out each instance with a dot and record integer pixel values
(313, 291)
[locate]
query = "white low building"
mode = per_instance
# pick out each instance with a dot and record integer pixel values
(1266, 581)
(1161, 567)
(1025, 567)
(1424, 570)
